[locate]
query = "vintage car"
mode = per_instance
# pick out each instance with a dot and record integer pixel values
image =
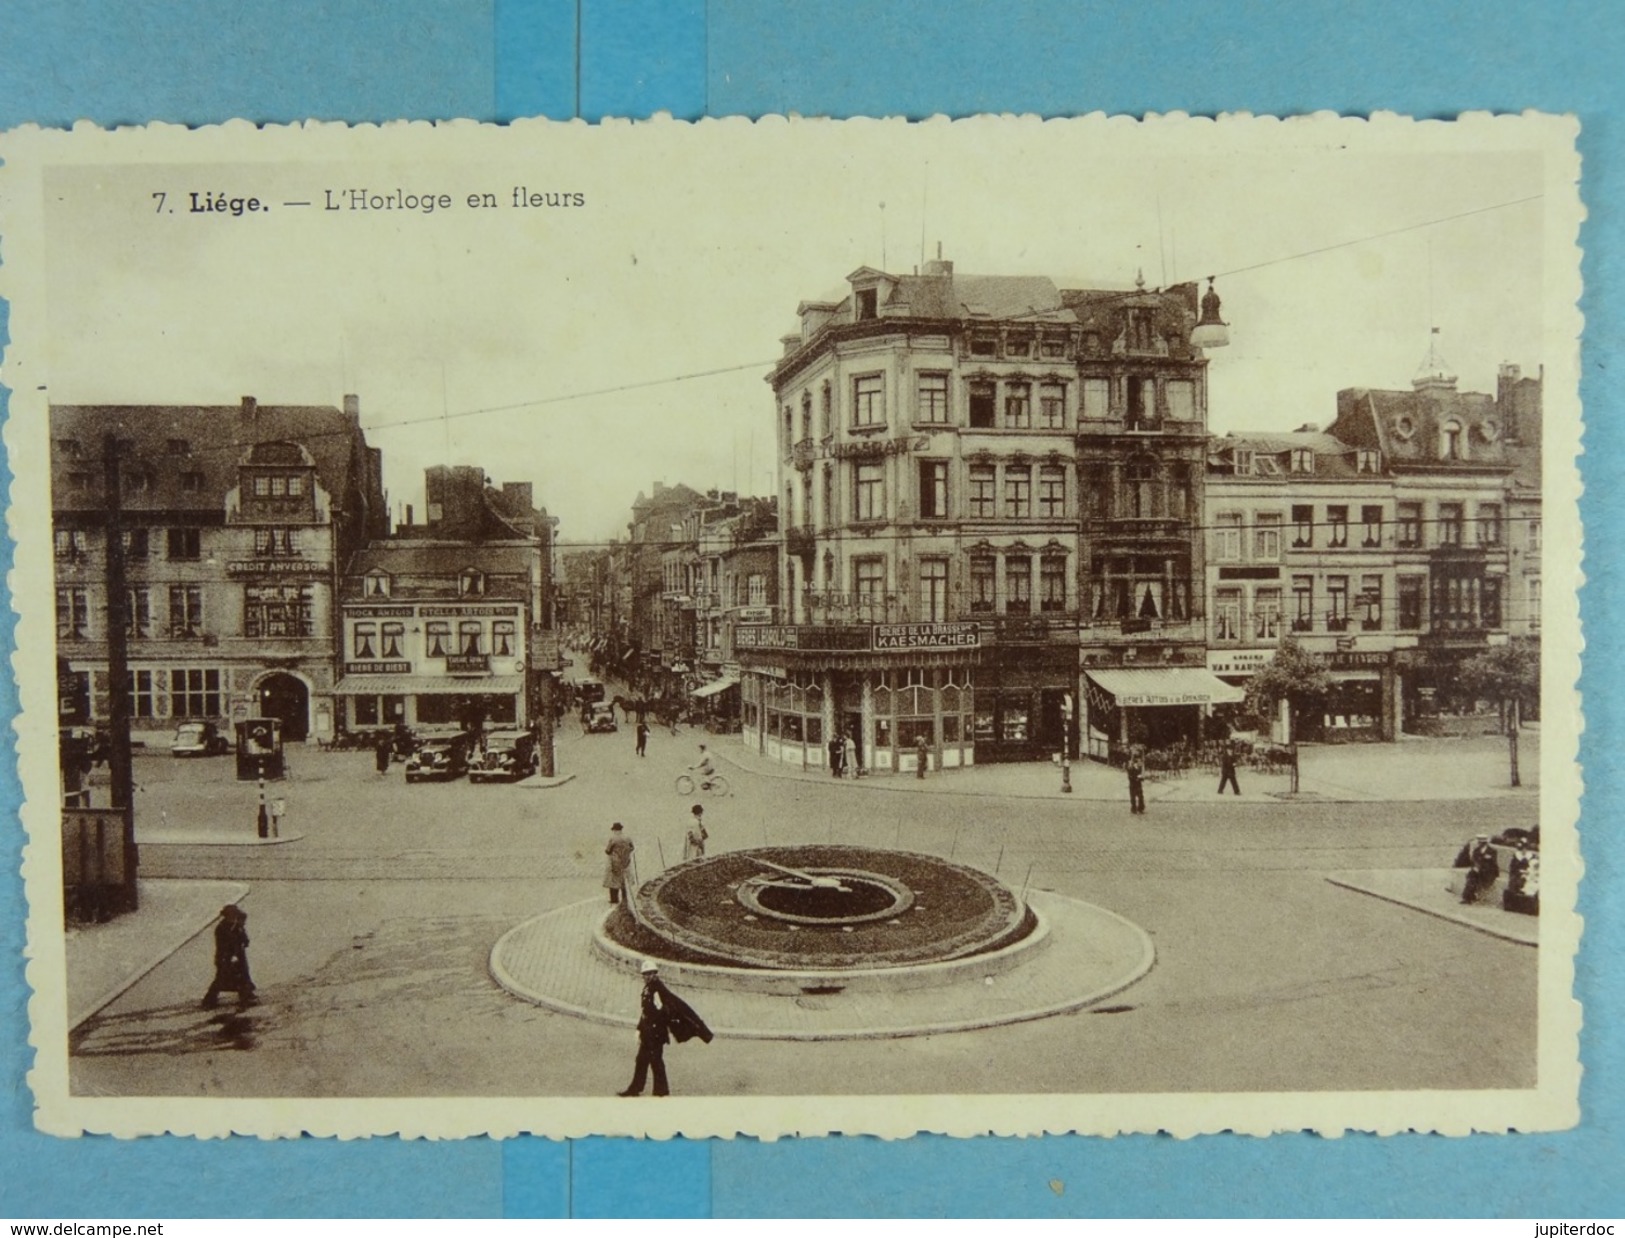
(439, 756)
(508, 756)
(199, 739)
(598, 718)
(589, 691)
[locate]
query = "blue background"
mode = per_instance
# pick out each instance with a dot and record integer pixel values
(193, 61)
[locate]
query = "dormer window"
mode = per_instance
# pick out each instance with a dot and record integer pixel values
(1452, 443)
(1243, 460)
(1368, 460)
(1303, 460)
(868, 304)
(471, 583)
(984, 346)
(375, 585)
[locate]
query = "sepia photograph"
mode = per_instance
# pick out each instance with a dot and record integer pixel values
(994, 625)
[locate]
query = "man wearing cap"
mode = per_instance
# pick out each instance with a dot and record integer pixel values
(662, 1017)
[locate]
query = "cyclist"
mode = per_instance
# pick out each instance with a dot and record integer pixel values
(705, 769)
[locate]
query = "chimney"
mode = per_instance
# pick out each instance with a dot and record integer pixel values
(519, 493)
(251, 408)
(939, 266)
(352, 409)
(409, 515)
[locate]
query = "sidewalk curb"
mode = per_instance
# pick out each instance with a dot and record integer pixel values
(1488, 930)
(1306, 795)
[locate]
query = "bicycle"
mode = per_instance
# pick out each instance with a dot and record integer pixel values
(716, 784)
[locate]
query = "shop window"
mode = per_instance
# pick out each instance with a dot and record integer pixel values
(437, 637)
(883, 733)
(1410, 602)
(911, 730)
(931, 398)
(982, 569)
(145, 690)
(951, 728)
(868, 400)
(1267, 537)
(1337, 527)
(1018, 492)
(1303, 526)
(1018, 406)
(790, 725)
(1018, 585)
(1013, 721)
(982, 721)
(983, 399)
(364, 710)
(983, 482)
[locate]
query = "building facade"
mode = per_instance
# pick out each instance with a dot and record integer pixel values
(990, 491)
(236, 521)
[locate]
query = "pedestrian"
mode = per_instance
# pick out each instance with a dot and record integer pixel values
(662, 1018)
(1135, 768)
(695, 835)
(849, 757)
(922, 756)
(381, 754)
(837, 755)
(643, 737)
(1482, 864)
(1227, 768)
(616, 869)
(230, 959)
(279, 805)
(263, 821)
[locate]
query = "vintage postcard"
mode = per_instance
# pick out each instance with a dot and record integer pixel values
(985, 626)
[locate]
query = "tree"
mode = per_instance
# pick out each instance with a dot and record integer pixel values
(1510, 676)
(1293, 674)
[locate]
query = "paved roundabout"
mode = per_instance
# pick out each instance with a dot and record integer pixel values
(819, 943)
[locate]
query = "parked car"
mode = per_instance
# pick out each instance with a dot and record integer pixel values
(598, 718)
(439, 757)
(508, 756)
(199, 739)
(590, 691)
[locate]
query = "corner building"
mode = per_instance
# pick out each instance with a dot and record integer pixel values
(990, 488)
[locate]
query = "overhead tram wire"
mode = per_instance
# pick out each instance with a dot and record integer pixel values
(646, 384)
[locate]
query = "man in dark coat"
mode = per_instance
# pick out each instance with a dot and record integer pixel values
(837, 755)
(230, 959)
(1227, 768)
(382, 753)
(662, 1018)
(1135, 768)
(643, 736)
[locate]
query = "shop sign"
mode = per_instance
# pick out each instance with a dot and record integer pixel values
(275, 567)
(378, 612)
(377, 668)
(927, 636)
(1347, 660)
(468, 664)
(452, 612)
(1237, 661)
(754, 614)
(545, 649)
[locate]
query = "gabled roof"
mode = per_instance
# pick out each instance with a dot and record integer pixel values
(402, 557)
(218, 438)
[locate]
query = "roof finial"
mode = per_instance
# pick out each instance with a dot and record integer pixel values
(1139, 279)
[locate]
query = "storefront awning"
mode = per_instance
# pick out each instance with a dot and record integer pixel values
(716, 686)
(428, 685)
(1166, 685)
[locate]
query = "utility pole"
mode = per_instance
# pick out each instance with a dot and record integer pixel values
(118, 655)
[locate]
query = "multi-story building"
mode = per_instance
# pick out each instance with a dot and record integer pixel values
(236, 521)
(649, 645)
(990, 497)
(443, 622)
(1400, 542)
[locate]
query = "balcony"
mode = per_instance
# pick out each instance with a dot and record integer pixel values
(803, 454)
(1137, 529)
(800, 541)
